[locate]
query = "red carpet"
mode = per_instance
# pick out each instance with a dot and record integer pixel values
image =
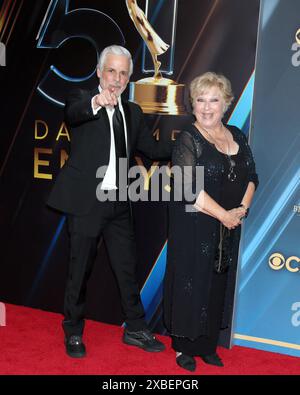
(32, 344)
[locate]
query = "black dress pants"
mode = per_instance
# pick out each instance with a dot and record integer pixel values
(112, 221)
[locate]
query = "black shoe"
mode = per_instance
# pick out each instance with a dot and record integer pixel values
(143, 339)
(186, 362)
(75, 347)
(213, 359)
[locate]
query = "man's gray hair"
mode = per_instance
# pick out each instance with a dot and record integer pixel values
(115, 50)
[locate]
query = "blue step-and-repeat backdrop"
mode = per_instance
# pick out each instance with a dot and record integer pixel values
(267, 312)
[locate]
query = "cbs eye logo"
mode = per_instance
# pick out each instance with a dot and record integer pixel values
(277, 261)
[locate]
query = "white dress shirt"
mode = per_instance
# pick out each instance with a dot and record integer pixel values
(109, 181)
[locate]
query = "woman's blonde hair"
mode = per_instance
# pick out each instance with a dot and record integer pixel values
(208, 80)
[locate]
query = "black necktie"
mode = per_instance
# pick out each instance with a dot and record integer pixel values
(119, 134)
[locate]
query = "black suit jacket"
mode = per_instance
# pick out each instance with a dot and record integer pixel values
(74, 191)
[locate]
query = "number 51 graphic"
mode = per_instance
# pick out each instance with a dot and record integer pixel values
(61, 24)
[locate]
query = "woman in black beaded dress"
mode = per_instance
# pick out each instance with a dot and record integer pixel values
(203, 242)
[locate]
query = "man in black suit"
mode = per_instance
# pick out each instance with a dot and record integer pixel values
(104, 129)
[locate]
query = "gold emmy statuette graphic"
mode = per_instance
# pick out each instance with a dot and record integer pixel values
(297, 36)
(156, 95)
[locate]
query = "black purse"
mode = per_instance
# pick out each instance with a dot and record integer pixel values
(222, 253)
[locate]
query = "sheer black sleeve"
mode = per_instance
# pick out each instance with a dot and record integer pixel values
(186, 177)
(243, 142)
(252, 175)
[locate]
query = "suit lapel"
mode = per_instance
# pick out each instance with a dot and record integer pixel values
(102, 129)
(128, 120)
(104, 118)
(102, 113)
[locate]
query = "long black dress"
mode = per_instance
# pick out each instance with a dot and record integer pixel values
(198, 296)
